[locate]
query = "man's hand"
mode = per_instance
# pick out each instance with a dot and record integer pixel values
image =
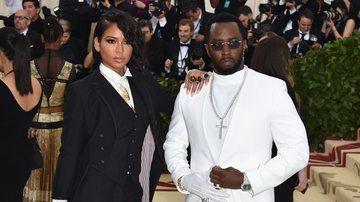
(198, 184)
(295, 40)
(230, 177)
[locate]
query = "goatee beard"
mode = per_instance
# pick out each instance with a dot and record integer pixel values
(231, 70)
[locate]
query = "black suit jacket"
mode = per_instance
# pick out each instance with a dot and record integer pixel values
(36, 45)
(290, 34)
(93, 124)
(172, 52)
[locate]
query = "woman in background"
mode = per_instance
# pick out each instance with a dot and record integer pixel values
(276, 62)
(20, 95)
(55, 74)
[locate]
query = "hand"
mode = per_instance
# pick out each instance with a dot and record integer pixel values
(139, 4)
(302, 186)
(198, 184)
(295, 40)
(316, 46)
(230, 177)
(192, 82)
(200, 38)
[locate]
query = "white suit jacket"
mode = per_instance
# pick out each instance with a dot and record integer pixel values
(264, 113)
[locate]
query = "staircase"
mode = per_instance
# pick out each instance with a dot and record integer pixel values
(334, 176)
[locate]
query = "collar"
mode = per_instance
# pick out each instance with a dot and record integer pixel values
(113, 75)
(186, 43)
(25, 31)
(230, 79)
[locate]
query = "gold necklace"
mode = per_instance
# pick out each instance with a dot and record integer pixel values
(124, 93)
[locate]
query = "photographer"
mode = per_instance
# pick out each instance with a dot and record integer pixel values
(191, 10)
(163, 17)
(184, 53)
(302, 39)
(338, 23)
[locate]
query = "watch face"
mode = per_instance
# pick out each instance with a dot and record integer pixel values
(246, 187)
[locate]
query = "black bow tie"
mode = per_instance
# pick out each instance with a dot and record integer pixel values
(183, 44)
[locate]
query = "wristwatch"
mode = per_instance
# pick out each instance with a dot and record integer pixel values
(245, 186)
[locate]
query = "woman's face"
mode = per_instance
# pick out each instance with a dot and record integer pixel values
(114, 49)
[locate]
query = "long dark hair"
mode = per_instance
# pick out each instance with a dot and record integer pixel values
(274, 62)
(52, 30)
(132, 34)
(17, 49)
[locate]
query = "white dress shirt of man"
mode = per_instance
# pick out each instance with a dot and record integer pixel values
(230, 126)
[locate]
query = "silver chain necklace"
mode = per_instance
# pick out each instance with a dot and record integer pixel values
(221, 125)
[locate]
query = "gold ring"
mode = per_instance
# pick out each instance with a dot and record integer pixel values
(192, 78)
(199, 78)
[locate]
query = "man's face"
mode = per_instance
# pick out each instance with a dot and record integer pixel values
(185, 33)
(244, 19)
(305, 24)
(147, 34)
(65, 37)
(228, 58)
(193, 15)
(33, 11)
(21, 20)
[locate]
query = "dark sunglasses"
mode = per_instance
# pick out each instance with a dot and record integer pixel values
(219, 45)
(20, 17)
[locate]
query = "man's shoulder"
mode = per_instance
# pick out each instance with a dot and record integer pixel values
(264, 80)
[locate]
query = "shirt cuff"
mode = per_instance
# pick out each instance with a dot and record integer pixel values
(162, 21)
(59, 200)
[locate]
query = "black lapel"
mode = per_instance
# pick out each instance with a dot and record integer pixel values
(104, 89)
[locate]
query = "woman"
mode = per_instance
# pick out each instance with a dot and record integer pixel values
(20, 95)
(276, 62)
(55, 74)
(111, 149)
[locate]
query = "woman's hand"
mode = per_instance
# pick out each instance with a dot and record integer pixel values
(195, 80)
(302, 186)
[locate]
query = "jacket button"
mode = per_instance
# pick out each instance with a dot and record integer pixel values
(102, 148)
(132, 141)
(130, 154)
(128, 172)
(101, 135)
(134, 129)
(136, 116)
(102, 161)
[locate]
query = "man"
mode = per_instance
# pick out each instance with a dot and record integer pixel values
(22, 21)
(301, 39)
(154, 50)
(191, 10)
(33, 7)
(230, 126)
(184, 54)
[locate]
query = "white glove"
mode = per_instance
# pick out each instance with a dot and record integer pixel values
(199, 184)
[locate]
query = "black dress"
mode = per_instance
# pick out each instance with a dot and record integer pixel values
(15, 148)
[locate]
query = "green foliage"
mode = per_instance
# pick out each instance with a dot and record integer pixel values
(328, 82)
(174, 86)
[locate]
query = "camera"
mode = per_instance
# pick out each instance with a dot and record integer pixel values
(264, 8)
(331, 14)
(305, 45)
(159, 8)
(58, 12)
(197, 54)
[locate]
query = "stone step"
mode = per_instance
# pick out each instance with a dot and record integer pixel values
(330, 179)
(313, 194)
(353, 162)
(347, 194)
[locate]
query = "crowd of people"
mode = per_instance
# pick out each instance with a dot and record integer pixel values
(97, 118)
